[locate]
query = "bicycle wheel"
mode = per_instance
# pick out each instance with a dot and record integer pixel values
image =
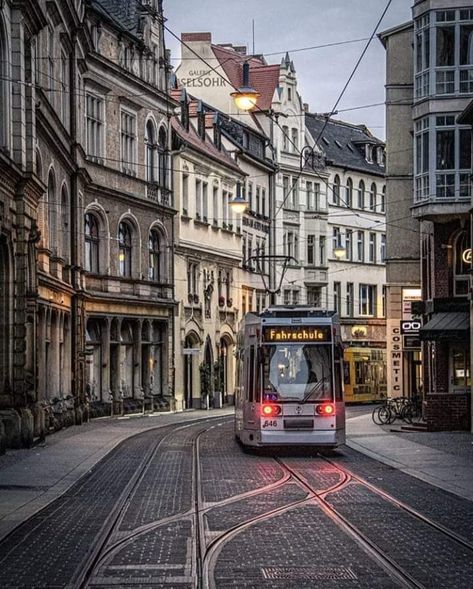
(383, 415)
(407, 412)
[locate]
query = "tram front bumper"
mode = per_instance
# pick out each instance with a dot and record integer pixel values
(300, 438)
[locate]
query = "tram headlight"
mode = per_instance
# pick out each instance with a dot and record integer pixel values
(325, 410)
(271, 410)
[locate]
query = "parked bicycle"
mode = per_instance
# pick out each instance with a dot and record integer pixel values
(407, 409)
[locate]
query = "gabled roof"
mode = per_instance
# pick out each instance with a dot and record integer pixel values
(124, 14)
(264, 78)
(343, 143)
(194, 140)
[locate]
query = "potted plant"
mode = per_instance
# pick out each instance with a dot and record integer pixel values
(205, 384)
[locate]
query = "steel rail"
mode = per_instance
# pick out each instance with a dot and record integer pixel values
(404, 506)
(370, 547)
(215, 546)
(86, 569)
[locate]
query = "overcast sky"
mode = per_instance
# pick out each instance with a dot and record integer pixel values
(287, 25)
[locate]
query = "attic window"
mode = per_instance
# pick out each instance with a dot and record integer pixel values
(338, 144)
(369, 153)
(326, 141)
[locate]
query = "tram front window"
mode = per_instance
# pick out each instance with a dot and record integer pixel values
(297, 372)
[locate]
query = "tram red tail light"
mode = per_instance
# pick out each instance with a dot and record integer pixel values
(325, 410)
(271, 410)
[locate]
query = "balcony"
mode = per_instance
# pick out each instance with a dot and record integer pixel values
(159, 194)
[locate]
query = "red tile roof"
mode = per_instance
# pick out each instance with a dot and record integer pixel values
(207, 147)
(264, 78)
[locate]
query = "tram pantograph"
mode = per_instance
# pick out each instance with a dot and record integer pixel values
(290, 379)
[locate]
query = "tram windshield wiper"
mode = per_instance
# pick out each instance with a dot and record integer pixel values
(307, 396)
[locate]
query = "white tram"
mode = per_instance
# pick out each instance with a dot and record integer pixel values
(290, 379)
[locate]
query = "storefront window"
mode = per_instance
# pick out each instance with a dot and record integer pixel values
(461, 367)
(462, 264)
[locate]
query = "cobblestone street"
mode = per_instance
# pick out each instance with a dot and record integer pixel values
(183, 506)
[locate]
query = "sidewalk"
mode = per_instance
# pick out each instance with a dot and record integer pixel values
(443, 459)
(30, 479)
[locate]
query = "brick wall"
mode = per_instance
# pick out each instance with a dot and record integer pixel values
(449, 411)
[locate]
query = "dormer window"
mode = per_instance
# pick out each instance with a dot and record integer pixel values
(369, 153)
(289, 94)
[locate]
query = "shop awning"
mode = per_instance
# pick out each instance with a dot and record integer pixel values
(446, 326)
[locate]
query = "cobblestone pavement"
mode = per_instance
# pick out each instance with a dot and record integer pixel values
(257, 523)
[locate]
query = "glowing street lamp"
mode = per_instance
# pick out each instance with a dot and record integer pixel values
(245, 97)
(339, 252)
(239, 204)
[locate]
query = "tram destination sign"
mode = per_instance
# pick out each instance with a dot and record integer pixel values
(297, 333)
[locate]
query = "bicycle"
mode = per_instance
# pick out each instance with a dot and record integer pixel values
(390, 410)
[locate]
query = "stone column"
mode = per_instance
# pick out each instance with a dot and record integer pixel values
(137, 360)
(105, 360)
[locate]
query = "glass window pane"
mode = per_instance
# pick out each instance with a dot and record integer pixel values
(466, 45)
(465, 149)
(445, 46)
(446, 150)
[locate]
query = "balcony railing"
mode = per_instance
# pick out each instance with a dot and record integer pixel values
(159, 194)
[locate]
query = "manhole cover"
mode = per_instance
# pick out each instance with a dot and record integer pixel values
(316, 573)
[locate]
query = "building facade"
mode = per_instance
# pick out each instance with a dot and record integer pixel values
(442, 62)
(86, 215)
(208, 258)
(127, 210)
(355, 161)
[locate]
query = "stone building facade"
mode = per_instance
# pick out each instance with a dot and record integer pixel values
(355, 160)
(86, 217)
(208, 257)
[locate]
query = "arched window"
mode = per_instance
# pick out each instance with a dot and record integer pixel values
(151, 152)
(125, 249)
(92, 241)
(51, 224)
(163, 157)
(361, 195)
(349, 193)
(461, 264)
(373, 196)
(154, 243)
(336, 190)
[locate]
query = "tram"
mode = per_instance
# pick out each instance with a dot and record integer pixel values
(290, 379)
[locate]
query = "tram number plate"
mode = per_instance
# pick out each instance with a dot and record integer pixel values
(267, 423)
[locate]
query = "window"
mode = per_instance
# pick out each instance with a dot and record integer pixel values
(285, 188)
(124, 249)
(193, 282)
(52, 212)
(289, 94)
(349, 193)
(163, 158)
(205, 202)
(264, 212)
(198, 199)
(185, 194)
(260, 301)
(461, 268)
(95, 129)
(91, 231)
(295, 140)
(460, 363)
(367, 299)
(64, 90)
(383, 301)
(361, 195)
(349, 244)
(250, 196)
(316, 196)
(215, 205)
(295, 193)
(50, 56)
(309, 187)
(337, 296)
(291, 245)
(360, 244)
(373, 197)
(372, 248)
(154, 252)
(285, 138)
(128, 142)
(258, 199)
(322, 250)
(224, 209)
(383, 248)
(151, 149)
(311, 250)
(421, 147)
(350, 299)
(336, 239)
(336, 191)
(314, 296)
(383, 200)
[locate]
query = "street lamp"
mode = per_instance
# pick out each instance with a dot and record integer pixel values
(239, 204)
(339, 252)
(246, 96)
